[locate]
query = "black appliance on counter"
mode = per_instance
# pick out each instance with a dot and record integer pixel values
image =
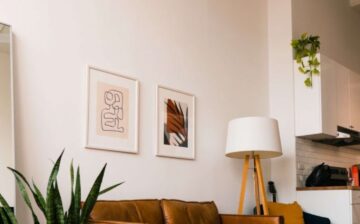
(324, 175)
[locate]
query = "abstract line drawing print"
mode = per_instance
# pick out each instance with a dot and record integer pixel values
(113, 114)
(176, 123)
(112, 111)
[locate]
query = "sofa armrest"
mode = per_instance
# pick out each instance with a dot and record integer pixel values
(251, 219)
(111, 222)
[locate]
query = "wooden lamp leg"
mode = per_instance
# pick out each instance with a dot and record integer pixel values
(256, 185)
(261, 185)
(243, 185)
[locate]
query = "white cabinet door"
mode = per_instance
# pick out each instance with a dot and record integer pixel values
(343, 96)
(355, 100)
(315, 107)
(328, 96)
(333, 204)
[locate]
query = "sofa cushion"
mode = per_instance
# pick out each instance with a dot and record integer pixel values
(292, 213)
(181, 212)
(142, 211)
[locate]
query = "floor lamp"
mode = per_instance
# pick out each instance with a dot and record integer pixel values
(253, 138)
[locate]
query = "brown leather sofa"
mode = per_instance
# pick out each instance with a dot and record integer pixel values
(169, 212)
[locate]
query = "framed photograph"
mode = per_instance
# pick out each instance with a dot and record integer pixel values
(175, 123)
(112, 116)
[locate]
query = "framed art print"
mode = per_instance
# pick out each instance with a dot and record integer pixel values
(175, 123)
(112, 119)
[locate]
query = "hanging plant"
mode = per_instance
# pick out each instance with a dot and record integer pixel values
(305, 50)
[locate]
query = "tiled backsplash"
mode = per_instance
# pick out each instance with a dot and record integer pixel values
(309, 154)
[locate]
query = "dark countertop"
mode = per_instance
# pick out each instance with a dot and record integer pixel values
(328, 188)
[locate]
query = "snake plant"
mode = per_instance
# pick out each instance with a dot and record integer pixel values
(52, 206)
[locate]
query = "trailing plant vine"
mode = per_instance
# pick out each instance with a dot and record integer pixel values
(305, 50)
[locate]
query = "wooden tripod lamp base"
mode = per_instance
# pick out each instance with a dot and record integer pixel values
(260, 193)
(253, 138)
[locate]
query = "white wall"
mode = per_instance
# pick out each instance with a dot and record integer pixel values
(336, 23)
(6, 127)
(281, 96)
(216, 50)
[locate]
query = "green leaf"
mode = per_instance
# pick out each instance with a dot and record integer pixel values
(50, 206)
(77, 198)
(50, 195)
(315, 71)
(8, 211)
(59, 209)
(72, 175)
(301, 69)
(316, 61)
(39, 199)
(294, 43)
(110, 188)
(3, 219)
(26, 197)
(303, 36)
(298, 59)
(54, 172)
(308, 82)
(92, 197)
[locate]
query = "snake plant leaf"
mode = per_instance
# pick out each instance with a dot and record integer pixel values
(110, 188)
(26, 198)
(50, 206)
(3, 219)
(77, 198)
(92, 197)
(59, 209)
(50, 195)
(54, 173)
(72, 175)
(39, 199)
(70, 212)
(8, 211)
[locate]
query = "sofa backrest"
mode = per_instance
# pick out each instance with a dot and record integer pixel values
(182, 212)
(156, 212)
(142, 211)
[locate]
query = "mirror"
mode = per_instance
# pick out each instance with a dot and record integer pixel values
(7, 154)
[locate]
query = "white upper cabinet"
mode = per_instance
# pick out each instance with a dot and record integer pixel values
(333, 100)
(343, 96)
(354, 83)
(315, 107)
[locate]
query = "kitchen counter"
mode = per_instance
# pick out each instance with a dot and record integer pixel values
(341, 204)
(328, 188)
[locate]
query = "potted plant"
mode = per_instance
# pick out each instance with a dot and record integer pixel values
(52, 206)
(305, 55)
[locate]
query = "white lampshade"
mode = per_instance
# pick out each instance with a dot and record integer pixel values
(253, 136)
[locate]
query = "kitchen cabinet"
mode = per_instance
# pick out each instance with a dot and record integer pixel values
(340, 206)
(333, 100)
(343, 96)
(315, 107)
(354, 81)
